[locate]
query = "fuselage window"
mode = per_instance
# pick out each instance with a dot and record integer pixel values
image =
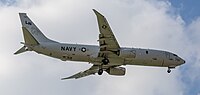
(154, 58)
(147, 52)
(177, 59)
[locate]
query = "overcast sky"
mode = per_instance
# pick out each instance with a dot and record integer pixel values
(155, 24)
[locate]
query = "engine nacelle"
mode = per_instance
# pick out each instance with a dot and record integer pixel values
(118, 71)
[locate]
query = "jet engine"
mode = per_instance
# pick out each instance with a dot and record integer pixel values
(118, 71)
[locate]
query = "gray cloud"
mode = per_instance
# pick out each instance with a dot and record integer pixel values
(62, 20)
(7, 2)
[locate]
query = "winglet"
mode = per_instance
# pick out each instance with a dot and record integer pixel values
(76, 76)
(68, 78)
(97, 13)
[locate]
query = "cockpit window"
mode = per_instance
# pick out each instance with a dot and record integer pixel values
(174, 54)
(147, 52)
(177, 59)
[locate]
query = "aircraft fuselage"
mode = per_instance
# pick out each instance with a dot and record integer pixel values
(108, 56)
(127, 56)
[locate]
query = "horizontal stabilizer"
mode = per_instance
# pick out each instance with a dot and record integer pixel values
(21, 50)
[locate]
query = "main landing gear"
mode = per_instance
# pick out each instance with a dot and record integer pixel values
(100, 72)
(105, 61)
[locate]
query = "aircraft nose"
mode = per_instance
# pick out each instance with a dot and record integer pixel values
(182, 61)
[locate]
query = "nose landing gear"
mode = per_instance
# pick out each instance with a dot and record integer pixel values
(169, 69)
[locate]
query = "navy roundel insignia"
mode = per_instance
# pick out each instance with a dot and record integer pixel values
(104, 26)
(83, 49)
(29, 23)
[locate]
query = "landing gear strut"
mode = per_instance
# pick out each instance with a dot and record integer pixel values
(169, 70)
(105, 61)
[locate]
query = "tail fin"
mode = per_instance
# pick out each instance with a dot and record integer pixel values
(32, 35)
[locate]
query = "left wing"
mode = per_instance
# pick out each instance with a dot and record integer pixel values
(94, 69)
(111, 70)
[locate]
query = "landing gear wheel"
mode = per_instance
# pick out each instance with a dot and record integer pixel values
(169, 71)
(100, 72)
(105, 61)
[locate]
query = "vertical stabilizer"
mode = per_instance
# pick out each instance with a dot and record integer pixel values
(32, 35)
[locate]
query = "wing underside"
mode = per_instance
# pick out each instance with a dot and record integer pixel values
(109, 47)
(90, 71)
(112, 70)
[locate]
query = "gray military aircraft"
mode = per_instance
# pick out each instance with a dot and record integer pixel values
(108, 56)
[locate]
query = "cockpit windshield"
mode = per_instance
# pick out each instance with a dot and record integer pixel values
(175, 55)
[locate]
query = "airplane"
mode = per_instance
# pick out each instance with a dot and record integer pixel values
(108, 56)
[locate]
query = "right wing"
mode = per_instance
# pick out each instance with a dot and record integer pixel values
(109, 47)
(94, 69)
